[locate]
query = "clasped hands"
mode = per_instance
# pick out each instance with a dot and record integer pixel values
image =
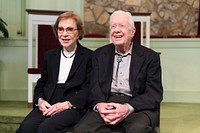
(113, 113)
(50, 110)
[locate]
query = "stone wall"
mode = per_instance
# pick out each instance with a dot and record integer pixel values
(168, 17)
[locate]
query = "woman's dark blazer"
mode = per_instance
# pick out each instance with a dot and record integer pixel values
(144, 79)
(77, 83)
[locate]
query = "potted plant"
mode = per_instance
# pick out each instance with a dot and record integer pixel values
(3, 28)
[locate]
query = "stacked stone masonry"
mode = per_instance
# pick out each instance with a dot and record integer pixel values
(168, 17)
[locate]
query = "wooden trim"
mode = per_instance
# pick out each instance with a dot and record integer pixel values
(173, 36)
(45, 12)
(198, 32)
(140, 14)
(29, 105)
(137, 14)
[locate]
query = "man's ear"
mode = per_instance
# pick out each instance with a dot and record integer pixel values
(133, 31)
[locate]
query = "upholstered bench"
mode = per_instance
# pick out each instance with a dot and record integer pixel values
(115, 130)
(120, 130)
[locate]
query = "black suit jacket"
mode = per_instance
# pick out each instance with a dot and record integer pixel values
(144, 79)
(77, 84)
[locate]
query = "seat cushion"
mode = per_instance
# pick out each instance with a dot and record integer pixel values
(117, 130)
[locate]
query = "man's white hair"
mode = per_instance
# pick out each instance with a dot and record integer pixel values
(131, 21)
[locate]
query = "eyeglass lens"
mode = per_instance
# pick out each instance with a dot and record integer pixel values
(68, 29)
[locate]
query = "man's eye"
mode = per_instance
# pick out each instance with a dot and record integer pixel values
(113, 26)
(121, 25)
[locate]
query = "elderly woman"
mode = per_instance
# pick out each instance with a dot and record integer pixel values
(61, 92)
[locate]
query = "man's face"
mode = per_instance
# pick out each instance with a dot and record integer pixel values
(121, 31)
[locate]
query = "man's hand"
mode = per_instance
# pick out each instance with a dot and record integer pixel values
(113, 113)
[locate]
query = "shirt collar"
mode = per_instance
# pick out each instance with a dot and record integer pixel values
(129, 52)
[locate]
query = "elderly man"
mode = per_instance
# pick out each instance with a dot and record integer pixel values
(126, 88)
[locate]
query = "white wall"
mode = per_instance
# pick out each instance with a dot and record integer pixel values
(59, 5)
(13, 69)
(181, 68)
(14, 14)
(11, 13)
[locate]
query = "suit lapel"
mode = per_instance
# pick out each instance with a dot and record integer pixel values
(77, 60)
(137, 59)
(108, 60)
(56, 64)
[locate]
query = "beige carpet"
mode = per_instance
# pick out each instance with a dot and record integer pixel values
(175, 117)
(180, 118)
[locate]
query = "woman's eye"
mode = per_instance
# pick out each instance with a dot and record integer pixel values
(70, 29)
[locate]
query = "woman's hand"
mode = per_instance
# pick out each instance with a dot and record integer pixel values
(57, 108)
(43, 105)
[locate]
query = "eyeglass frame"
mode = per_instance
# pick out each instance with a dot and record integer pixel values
(69, 30)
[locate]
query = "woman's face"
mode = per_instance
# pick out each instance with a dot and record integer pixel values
(68, 33)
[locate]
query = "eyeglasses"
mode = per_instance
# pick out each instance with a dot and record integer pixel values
(69, 30)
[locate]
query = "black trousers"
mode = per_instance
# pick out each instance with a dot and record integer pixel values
(134, 123)
(35, 122)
